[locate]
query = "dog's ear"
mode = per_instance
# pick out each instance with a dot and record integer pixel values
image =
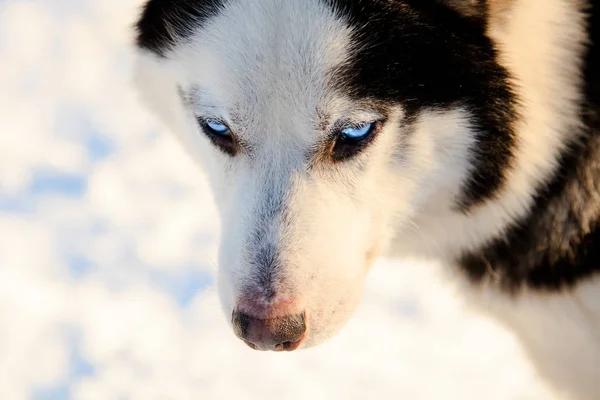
(467, 8)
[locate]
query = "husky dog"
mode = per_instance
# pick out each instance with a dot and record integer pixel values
(338, 131)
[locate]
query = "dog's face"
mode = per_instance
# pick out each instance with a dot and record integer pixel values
(325, 126)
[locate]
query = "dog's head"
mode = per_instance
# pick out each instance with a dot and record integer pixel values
(326, 126)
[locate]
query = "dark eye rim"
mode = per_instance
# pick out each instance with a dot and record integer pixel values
(345, 147)
(225, 141)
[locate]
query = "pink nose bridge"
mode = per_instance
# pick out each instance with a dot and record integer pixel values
(280, 306)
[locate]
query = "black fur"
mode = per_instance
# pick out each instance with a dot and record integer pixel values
(425, 55)
(558, 244)
(468, 8)
(164, 23)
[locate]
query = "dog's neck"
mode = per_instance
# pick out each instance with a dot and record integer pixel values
(540, 231)
(558, 242)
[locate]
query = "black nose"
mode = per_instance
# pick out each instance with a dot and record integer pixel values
(277, 334)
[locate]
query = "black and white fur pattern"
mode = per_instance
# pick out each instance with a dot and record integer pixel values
(486, 156)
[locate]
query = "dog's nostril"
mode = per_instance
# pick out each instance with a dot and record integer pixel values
(240, 322)
(277, 334)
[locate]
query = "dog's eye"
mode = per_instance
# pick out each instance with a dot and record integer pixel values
(357, 132)
(352, 139)
(216, 127)
(220, 134)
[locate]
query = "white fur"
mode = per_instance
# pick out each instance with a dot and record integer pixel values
(261, 65)
(559, 331)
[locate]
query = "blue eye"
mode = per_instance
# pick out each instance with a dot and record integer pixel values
(357, 132)
(217, 127)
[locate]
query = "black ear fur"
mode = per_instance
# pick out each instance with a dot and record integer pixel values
(476, 9)
(163, 23)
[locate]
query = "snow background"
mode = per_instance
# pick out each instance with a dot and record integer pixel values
(108, 245)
